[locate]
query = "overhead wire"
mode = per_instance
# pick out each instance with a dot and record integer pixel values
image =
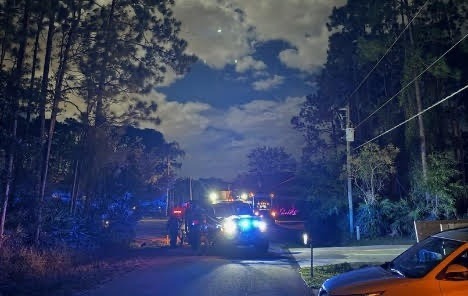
(414, 116)
(388, 50)
(412, 81)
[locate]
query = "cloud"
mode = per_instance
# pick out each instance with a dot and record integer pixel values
(301, 23)
(245, 23)
(215, 31)
(266, 84)
(170, 77)
(179, 120)
(248, 63)
(217, 141)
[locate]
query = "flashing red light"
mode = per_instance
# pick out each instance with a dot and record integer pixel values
(178, 212)
(273, 213)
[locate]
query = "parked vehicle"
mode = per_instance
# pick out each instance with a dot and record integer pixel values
(436, 266)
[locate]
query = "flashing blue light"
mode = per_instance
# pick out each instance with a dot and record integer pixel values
(245, 224)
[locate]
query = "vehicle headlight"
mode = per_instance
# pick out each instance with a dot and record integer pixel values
(229, 227)
(261, 225)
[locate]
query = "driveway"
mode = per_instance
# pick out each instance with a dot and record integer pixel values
(337, 255)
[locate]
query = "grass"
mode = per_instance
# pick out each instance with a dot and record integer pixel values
(321, 273)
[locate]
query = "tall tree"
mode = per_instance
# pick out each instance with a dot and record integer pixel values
(68, 40)
(371, 170)
(363, 32)
(270, 165)
(13, 93)
(127, 47)
(102, 54)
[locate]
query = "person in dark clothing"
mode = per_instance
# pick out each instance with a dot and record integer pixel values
(173, 230)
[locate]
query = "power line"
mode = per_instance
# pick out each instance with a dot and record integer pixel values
(388, 50)
(414, 116)
(412, 81)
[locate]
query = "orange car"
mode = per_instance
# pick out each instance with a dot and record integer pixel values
(436, 266)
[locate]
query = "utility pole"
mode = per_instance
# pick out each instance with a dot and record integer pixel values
(349, 139)
(190, 184)
(167, 188)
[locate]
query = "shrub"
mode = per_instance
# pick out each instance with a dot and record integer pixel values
(370, 221)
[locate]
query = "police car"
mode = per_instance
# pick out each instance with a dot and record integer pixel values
(238, 226)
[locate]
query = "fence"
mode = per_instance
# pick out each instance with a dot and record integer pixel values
(424, 229)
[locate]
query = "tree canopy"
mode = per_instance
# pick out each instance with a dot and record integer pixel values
(388, 61)
(93, 62)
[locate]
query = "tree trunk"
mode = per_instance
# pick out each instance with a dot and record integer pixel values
(42, 106)
(33, 67)
(53, 117)
(12, 92)
(6, 26)
(417, 92)
(9, 182)
(100, 118)
(74, 189)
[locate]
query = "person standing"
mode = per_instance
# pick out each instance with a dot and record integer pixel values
(173, 230)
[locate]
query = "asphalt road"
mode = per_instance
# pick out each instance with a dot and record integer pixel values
(243, 272)
(181, 272)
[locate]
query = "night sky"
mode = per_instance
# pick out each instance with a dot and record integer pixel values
(256, 64)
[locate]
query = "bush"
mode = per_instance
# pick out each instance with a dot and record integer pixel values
(399, 217)
(370, 220)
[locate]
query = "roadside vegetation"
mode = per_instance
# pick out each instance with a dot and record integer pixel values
(400, 171)
(59, 271)
(74, 166)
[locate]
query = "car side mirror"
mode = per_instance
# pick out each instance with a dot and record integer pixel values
(456, 272)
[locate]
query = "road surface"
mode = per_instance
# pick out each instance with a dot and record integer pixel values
(179, 271)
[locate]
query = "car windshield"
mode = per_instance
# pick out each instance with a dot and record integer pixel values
(421, 258)
(229, 209)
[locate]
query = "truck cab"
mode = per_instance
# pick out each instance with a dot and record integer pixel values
(238, 226)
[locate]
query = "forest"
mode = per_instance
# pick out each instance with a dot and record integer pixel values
(396, 75)
(64, 172)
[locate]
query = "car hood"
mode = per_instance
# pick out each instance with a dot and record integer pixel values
(367, 279)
